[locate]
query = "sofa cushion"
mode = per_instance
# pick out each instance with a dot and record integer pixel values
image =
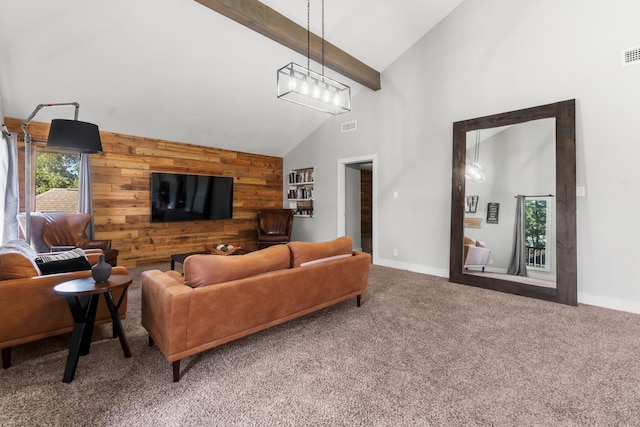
(17, 260)
(304, 252)
(73, 260)
(473, 242)
(205, 270)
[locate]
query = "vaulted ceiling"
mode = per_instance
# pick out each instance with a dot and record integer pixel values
(178, 70)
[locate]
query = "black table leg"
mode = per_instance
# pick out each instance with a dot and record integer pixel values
(84, 314)
(117, 324)
(89, 324)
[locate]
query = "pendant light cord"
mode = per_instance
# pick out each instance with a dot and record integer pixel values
(308, 34)
(322, 38)
(477, 153)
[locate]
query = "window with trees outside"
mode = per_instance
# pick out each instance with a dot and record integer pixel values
(56, 181)
(536, 233)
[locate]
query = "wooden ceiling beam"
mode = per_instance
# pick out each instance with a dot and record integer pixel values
(260, 18)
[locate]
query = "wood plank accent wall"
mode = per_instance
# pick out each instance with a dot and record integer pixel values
(121, 180)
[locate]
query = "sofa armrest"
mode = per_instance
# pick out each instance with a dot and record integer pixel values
(165, 310)
(63, 248)
(33, 310)
(93, 255)
(97, 244)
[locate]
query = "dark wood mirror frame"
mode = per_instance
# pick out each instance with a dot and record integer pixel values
(566, 276)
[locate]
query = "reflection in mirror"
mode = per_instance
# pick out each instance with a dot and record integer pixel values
(518, 160)
(528, 197)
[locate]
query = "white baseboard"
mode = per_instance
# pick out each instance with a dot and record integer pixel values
(612, 303)
(583, 298)
(412, 267)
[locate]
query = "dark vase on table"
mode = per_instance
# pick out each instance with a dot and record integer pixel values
(101, 271)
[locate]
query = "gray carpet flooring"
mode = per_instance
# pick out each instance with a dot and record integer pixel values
(419, 352)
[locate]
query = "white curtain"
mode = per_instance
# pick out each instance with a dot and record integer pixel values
(8, 186)
(85, 198)
(518, 263)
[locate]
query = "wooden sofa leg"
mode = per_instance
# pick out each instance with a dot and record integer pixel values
(358, 300)
(151, 341)
(6, 358)
(176, 371)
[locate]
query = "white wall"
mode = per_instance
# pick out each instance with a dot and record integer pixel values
(1, 110)
(492, 56)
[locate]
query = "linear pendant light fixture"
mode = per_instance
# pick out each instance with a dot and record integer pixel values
(302, 86)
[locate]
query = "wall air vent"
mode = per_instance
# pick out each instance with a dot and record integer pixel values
(631, 56)
(349, 126)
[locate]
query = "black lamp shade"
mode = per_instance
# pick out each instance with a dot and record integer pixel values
(75, 136)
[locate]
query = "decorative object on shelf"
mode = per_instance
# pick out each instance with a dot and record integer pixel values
(221, 248)
(471, 204)
(64, 135)
(302, 86)
(472, 222)
(101, 271)
(493, 211)
(300, 194)
(474, 171)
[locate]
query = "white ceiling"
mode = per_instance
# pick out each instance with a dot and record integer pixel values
(176, 70)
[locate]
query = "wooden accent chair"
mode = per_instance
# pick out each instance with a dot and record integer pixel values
(64, 231)
(274, 227)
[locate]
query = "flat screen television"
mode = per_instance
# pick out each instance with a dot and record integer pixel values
(181, 197)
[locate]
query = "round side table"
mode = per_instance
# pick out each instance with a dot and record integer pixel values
(82, 296)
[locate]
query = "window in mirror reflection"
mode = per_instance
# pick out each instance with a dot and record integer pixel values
(536, 218)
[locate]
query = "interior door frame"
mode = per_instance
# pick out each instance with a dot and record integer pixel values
(341, 194)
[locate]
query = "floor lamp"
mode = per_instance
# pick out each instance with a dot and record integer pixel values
(64, 135)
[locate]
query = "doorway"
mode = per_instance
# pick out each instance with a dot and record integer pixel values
(357, 202)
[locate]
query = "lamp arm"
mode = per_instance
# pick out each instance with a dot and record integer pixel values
(41, 106)
(27, 162)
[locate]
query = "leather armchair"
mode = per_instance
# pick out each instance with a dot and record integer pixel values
(31, 311)
(274, 227)
(63, 231)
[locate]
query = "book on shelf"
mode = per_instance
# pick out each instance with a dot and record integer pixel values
(301, 176)
(300, 193)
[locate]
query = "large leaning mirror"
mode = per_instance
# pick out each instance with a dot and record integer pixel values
(513, 206)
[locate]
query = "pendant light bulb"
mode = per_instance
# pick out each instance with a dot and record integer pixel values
(473, 170)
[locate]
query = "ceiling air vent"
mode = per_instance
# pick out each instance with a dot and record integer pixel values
(631, 56)
(349, 126)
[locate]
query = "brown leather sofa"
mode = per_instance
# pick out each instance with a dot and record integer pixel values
(65, 230)
(223, 298)
(30, 310)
